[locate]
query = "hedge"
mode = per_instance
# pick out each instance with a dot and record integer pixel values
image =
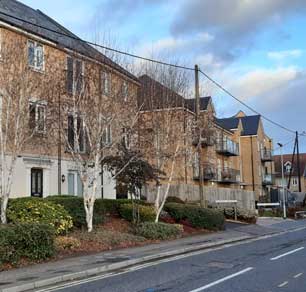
(35, 210)
(146, 213)
(159, 231)
(31, 241)
(75, 207)
(242, 215)
(198, 217)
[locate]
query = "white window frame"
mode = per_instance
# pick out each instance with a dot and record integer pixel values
(74, 81)
(36, 65)
(107, 133)
(37, 105)
(125, 90)
(75, 130)
(126, 137)
(106, 82)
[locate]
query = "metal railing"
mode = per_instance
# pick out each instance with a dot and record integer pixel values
(228, 175)
(268, 179)
(266, 155)
(227, 147)
(207, 137)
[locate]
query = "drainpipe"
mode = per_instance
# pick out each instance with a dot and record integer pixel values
(252, 163)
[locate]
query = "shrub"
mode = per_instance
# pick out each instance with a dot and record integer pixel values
(39, 211)
(198, 217)
(146, 213)
(174, 200)
(31, 241)
(156, 231)
(66, 242)
(112, 206)
(75, 207)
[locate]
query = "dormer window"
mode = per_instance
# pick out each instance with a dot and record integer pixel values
(35, 55)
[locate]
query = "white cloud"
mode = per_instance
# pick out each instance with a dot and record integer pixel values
(282, 55)
(261, 81)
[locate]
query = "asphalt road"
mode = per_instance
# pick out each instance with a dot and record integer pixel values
(271, 264)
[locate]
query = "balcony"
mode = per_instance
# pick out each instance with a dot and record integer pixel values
(207, 138)
(228, 175)
(227, 147)
(268, 180)
(266, 155)
(209, 172)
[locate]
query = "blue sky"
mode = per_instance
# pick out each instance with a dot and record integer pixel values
(257, 49)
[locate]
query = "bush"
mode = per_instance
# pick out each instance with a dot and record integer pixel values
(146, 213)
(31, 241)
(159, 231)
(198, 217)
(174, 200)
(66, 242)
(35, 210)
(75, 207)
(112, 206)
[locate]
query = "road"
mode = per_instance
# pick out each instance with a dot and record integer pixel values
(271, 264)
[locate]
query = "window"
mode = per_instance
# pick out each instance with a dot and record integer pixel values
(36, 55)
(294, 181)
(76, 133)
(106, 83)
(75, 76)
(126, 137)
(37, 117)
(125, 90)
(107, 136)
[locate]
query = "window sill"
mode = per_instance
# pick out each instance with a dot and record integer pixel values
(41, 71)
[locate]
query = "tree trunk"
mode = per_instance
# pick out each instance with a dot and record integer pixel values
(89, 208)
(4, 202)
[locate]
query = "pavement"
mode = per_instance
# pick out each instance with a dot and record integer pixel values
(103, 268)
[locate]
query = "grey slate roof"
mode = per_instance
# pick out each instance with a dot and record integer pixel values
(250, 124)
(204, 102)
(26, 13)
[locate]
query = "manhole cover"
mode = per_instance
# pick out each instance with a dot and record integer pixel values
(220, 265)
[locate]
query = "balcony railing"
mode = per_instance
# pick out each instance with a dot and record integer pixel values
(266, 155)
(268, 179)
(228, 175)
(227, 147)
(209, 172)
(207, 137)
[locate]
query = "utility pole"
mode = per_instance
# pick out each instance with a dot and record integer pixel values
(59, 150)
(298, 159)
(283, 180)
(198, 132)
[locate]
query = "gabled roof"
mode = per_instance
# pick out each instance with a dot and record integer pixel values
(287, 160)
(250, 124)
(54, 32)
(154, 95)
(204, 102)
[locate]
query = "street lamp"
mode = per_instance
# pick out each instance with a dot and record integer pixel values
(283, 180)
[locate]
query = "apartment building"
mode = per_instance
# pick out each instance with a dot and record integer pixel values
(52, 69)
(290, 167)
(255, 152)
(235, 152)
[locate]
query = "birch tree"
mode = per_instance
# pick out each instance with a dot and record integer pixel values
(102, 112)
(23, 113)
(162, 127)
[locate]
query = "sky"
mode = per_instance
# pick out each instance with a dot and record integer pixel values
(256, 49)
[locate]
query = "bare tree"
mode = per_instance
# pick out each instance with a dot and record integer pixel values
(23, 113)
(163, 133)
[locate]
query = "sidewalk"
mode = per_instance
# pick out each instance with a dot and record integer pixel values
(42, 275)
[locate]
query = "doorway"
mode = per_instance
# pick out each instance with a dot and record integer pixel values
(37, 182)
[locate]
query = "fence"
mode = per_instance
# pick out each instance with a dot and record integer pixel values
(190, 193)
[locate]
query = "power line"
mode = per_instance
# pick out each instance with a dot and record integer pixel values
(149, 60)
(97, 45)
(246, 105)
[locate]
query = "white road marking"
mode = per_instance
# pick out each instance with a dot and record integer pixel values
(287, 253)
(283, 284)
(222, 280)
(297, 275)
